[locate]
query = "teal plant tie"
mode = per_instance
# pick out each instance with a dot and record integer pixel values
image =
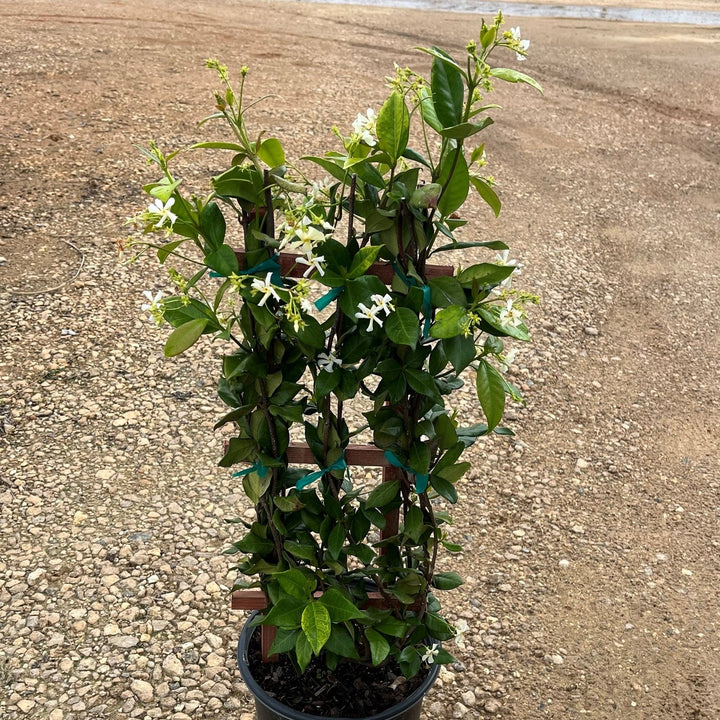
(427, 296)
(258, 467)
(328, 297)
(421, 481)
(339, 464)
(272, 264)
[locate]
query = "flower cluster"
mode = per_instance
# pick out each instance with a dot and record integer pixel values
(381, 303)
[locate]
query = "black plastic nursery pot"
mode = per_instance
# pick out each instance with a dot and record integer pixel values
(269, 708)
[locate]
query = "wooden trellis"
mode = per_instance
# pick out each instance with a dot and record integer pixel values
(355, 456)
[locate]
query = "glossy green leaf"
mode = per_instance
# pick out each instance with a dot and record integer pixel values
(446, 580)
(491, 393)
(284, 641)
(455, 179)
(485, 273)
(448, 92)
(515, 76)
(466, 129)
(303, 651)
(393, 126)
(403, 327)
(271, 152)
(286, 613)
(315, 624)
(363, 260)
(446, 291)
(449, 321)
(296, 583)
(184, 336)
(339, 607)
(487, 193)
(383, 494)
(460, 351)
(379, 646)
(341, 643)
(336, 541)
(223, 261)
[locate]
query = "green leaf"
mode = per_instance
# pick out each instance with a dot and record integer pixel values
(427, 110)
(446, 291)
(166, 250)
(239, 449)
(457, 184)
(487, 193)
(286, 613)
(336, 541)
(271, 152)
(393, 126)
(419, 459)
(185, 336)
(363, 260)
(379, 646)
(403, 327)
(383, 494)
(212, 225)
(223, 261)
(296, 583)
(303, 651)
(448, 92)
(485, 273)
(409, 661)
(255, 486)
(445, 431)
(315, 623)
(219, 146)
(284, 641)
(466, 129)
(460, 351)
(515, 76)
(340, 608)
(411, 154)
(491, 393)
(438, 629)
(449, 322)
(446, 580)
(341, 643)
(444, 488)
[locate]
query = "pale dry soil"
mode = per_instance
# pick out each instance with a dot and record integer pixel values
(591, 538)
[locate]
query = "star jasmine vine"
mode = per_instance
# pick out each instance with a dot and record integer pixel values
(323, 293)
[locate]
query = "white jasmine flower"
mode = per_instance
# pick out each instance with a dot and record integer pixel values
(383, 302)
(306, 306)
(510, 315)
(524, 45)
(153, 306)
(508, 359)
(315, 262)
(515, 32)
(265, 287)
(364, 127)
(430, 654)
(501, 258)
(306, 237)
(365, 313)
(328, 361)
(163, 210)
(461, 627)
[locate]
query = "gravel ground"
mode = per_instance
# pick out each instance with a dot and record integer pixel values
(591, 537)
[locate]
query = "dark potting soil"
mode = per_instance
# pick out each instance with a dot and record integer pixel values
(349, 691)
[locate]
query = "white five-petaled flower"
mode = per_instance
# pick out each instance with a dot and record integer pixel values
(508, 359)
(383, 302)
(430, 654)
(306, 305)
(315, 262)
(371, 314)
(510, 316)
(265, 287)
(522, 44)
(154, 306)
(327, 362)
(364, 127)
(157, 207)
(461, 627)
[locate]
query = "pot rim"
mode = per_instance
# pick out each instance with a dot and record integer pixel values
(291, 714)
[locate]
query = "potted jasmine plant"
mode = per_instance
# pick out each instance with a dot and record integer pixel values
(337, 321)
